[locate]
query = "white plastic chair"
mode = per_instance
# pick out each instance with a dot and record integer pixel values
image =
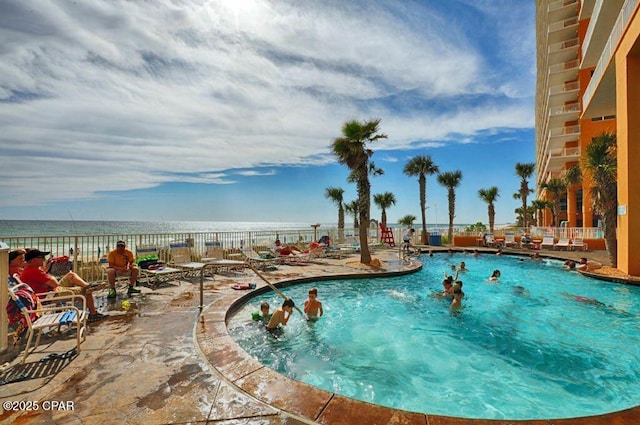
(63, 313)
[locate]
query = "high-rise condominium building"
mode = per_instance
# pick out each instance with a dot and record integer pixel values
(588, 82)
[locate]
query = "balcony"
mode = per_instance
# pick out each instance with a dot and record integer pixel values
(563, 9)
(599, 98)
(563, 93)
(563, 30)
(563, 51)
(564, 71)
(558, 158)
(558, 136)
(603, 19)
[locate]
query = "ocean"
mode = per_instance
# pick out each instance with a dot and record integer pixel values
(15, 228)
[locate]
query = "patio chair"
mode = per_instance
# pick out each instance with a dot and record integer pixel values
(562, 243)
(159, 274)
(181, 259)
(548, 241)
(213, 251)
(490, 241)
(26, 310)
(257, 261)
(510, 239)
(578, 243)
(291, 259)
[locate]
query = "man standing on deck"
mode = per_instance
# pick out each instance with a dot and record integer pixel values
(122, 263)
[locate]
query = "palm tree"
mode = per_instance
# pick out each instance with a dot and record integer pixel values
(351, 150)
(351, 208)
(407, 220)
(540, 205)
(489, 196)
(451, 180)
(384, 201)
(421, 166)
(600, 163)
(519, 216)
(557, 187)
(524, 171)
(336, 195)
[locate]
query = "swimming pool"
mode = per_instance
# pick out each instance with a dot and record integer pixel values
(523, 348)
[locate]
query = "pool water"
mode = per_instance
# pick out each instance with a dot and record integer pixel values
(526, 347)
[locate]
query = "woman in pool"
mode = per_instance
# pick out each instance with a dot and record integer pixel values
(495, 276)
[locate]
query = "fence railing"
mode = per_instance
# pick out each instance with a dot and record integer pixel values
(85, 251)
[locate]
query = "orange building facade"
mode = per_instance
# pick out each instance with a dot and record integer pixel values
(588, 82)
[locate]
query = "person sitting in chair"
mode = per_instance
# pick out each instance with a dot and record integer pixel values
(34, 275)
(285, 249)
(122, 263)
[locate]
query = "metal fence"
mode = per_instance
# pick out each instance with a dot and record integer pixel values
(85, 251)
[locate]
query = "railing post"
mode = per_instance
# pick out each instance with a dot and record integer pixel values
(4, 295)
(75, 253)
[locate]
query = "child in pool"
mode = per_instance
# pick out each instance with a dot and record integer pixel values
(281, 316)
(456, 304)
(313, 307)
(495, 276)
(265, 316)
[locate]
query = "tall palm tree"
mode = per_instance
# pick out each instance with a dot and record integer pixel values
(351, 208)
(422, 166)
(352, 151)
(451, 180)
(540, 205)
(384, 201)
(524, 171)
(489, 196)
(600, 163)
(336, 195)
(557, 187)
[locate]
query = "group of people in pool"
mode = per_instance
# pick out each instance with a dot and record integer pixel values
(274, 322)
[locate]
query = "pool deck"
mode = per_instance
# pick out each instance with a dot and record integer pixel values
(160, 362)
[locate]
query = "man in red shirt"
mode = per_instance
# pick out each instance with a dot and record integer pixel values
(34, 276)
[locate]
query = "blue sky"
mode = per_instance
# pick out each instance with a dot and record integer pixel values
(225, 110)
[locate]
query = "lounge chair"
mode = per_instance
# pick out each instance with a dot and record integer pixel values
(291, 259)
(491, 242)
(510, 239)
(578, 243)
(213, 251)
(35, 317)
(257, 261)
(156, 276)
(181, 258)
(548, 241)
(562, 243)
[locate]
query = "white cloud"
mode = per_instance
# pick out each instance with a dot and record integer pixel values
(107, 96)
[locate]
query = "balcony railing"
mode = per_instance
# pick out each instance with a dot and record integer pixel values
(565, 109)
(558, 47)
(564, 66)
(557, 26)
(565, 152)
(564, 131)
(560, 4)
(609, 49)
